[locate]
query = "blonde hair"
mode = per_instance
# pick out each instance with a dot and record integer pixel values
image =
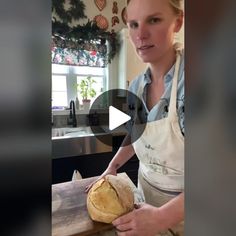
(177, 5)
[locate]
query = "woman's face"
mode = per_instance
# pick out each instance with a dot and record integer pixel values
(152, 24)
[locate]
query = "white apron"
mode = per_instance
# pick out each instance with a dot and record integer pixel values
(160, 150)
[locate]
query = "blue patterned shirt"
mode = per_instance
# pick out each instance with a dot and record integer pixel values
(160, 110)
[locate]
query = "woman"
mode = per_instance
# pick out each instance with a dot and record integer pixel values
(152, 25)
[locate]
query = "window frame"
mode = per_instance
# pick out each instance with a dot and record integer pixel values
(71, 80)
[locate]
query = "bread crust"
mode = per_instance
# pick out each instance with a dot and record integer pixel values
(109, 198)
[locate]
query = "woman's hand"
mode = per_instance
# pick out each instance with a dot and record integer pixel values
(124, 153)
(109, 171)
(143, 220)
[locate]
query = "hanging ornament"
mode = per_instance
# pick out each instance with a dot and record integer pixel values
(100, 4)
(115, 8)
(115, 20)
(123, 15)
(101, 22)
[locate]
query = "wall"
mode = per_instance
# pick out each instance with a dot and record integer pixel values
(135, 65)
(91, 11)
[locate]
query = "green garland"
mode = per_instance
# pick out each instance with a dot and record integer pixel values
(76, 10)
(83, 36)
(80, 36)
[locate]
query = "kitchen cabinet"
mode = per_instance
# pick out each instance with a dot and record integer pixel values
(130, 65)
(92, 165)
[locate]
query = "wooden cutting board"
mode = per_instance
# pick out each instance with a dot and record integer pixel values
(69, 211)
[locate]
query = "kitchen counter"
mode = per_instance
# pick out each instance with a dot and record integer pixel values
(69, 211)
(119, 131)
(83, 131)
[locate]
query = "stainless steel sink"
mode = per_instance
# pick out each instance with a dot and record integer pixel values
(74, 132)
(67, 141)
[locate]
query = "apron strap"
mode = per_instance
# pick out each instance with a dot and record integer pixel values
(173, 97)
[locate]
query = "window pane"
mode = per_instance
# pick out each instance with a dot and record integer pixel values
(86, 70)
(59, 90)
(59, 99)
(60, 69)
(59, 83)
(65, 77)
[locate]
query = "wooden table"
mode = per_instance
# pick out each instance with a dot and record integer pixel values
(69, 211)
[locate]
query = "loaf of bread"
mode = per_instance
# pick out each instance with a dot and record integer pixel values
(109, 198)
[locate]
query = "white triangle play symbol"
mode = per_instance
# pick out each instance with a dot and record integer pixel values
(116, 118)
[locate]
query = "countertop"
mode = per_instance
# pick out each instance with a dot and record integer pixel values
(69, 211)
(119, 131)
(83, 131)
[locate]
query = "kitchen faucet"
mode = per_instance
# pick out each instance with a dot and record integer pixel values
(72, 117)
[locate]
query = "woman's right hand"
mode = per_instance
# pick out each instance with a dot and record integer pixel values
(109, 171)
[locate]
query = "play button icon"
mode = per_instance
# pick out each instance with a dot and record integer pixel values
(117, 118)
(115, 114)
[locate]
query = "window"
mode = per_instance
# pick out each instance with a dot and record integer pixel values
(59, 88)
(98, 86)
(65, 79)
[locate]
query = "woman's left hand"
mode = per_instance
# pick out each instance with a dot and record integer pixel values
(143, 220)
